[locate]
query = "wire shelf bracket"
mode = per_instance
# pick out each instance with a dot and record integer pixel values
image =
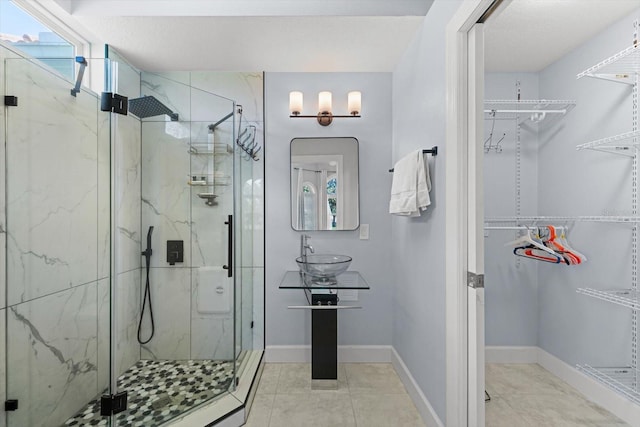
(629, 298)
(621, 380)
(625, 144)
(622, 67)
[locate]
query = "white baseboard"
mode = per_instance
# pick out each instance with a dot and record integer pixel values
(425, 409)
(346, 354)
(592, 389)
(511, 354)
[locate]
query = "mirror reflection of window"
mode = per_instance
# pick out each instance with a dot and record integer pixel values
(332, 202)
(309, 203)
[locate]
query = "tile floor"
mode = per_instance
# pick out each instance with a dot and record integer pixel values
(527, 395)
(159, 390)
(368, 395)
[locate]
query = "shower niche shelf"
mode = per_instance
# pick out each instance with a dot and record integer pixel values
(210, 181)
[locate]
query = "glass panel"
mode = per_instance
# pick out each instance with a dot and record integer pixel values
(174, 317)
(57, 187)
(22, 31)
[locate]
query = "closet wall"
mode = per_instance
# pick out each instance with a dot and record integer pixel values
(536, 303)
(574, 327)
(511, 291)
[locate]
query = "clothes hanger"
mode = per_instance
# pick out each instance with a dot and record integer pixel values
(528, 240)
(537, 254)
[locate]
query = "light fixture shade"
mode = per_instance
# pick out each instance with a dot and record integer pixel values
(354, 103)
(324, 102)
(295, 102)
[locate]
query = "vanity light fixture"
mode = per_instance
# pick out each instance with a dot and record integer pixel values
(325, 115)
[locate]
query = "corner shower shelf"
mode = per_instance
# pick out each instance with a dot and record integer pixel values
(534, 110)
(210, 149)
(620, 68)
(620, 379)
(625, 144)
(629, 298)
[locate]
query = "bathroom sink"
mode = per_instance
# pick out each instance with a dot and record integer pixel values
(324, 268)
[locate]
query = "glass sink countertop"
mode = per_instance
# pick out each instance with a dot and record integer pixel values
(346, 280)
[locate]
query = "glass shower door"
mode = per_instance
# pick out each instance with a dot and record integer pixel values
(57, 247)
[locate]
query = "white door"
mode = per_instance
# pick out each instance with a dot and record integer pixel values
(475, 227)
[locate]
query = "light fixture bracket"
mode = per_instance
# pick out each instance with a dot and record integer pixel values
(325, 119)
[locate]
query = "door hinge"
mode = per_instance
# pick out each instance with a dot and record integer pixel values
(10, 101)
(114, 103)
(475, 280)
(252, 324)
(11, 405)
(237, 381)
(111, 404)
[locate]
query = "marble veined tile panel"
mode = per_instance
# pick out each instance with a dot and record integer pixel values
(174, 94)
(52, 346)
(171, 299)
(3, 360)
(128, 203)
(104, 196)
(51, 184)
(244, 88)
(104, 326)
(127, 297)
(212, 328)
(165, 190)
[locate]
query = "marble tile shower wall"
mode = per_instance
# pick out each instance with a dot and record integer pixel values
(185, 329)
(56, 229)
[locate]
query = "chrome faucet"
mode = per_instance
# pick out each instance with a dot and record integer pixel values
(304, 246)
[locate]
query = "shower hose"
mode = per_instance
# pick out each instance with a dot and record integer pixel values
(147, 293)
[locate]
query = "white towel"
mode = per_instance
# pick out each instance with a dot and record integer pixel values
(411, 185)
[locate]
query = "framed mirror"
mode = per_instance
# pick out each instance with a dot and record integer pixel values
(324, 184)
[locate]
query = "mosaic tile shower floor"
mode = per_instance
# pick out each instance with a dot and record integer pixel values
(160, 390)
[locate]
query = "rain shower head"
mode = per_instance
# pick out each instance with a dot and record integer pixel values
(149, 106)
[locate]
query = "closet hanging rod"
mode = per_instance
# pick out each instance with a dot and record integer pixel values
(433, 151)
(527, 111)
(523, 227)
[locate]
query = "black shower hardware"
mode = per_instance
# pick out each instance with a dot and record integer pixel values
(175, 251)
(147, 291)
(229, 266)
(150, 106)
(83, 64)
(433, 151)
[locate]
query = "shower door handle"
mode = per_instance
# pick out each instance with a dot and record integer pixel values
(229, 266)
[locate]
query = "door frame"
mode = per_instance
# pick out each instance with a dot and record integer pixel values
(462, 255)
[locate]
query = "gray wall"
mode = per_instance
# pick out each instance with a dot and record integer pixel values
(511, 283)
(574, 327)
(417, 244)
(370, 257)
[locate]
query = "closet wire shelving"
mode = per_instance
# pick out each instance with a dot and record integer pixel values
(623, 67)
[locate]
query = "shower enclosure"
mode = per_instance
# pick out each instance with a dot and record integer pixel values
(83, 188)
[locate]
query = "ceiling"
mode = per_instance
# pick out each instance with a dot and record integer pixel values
(529, 35)
(253, 35)
(323, 35)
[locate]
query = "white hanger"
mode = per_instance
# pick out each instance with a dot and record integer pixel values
(527, 239)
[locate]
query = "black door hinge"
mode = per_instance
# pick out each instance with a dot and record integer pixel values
(11, 405)
(252, 324)
(111, 404)
(237, 381)
(114, 103)
(10, 101)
